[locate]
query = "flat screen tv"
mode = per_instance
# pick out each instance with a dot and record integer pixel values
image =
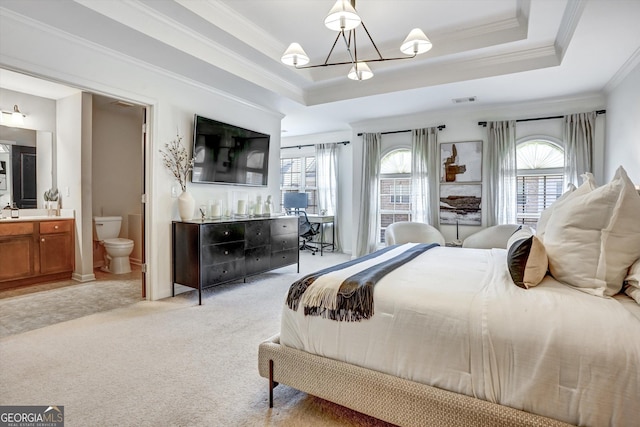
(228, 154)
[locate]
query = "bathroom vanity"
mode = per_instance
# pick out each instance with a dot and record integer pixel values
(35, 250)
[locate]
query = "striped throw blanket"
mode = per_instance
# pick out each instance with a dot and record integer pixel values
(344, 292)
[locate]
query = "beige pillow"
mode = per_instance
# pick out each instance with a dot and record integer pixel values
(588, 184)
(633, 282)
(526, 259)
(593, 238)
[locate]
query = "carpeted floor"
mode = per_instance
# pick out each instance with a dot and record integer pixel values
(168, 362)
(31, 307)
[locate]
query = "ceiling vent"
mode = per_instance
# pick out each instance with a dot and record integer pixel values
(464, 100)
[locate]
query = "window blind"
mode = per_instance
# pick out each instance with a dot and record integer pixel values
(535, 193)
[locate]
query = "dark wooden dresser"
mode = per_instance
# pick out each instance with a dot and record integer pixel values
(208, 253)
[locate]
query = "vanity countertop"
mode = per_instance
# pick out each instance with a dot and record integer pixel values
(34, 215)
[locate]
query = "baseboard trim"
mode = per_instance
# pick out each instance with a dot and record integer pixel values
(83, 277)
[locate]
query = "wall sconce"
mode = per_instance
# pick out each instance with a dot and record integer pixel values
(15, 117)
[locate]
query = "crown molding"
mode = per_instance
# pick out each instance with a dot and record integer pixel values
(75, 80)
(568, 25)
(629, 65)
(145, 19)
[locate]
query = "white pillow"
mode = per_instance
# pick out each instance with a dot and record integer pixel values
(593, 238)
(588, 184)
(633, 282)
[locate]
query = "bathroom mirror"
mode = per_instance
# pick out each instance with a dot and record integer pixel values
(35, 149)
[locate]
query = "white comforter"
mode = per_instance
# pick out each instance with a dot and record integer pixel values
(452, 318)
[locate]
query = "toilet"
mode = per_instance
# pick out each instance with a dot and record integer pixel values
(117, 250)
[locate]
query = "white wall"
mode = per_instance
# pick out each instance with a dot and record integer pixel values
(623, 127)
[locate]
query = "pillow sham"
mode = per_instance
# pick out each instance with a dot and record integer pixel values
(633, 282)
(526, 259)
(593, 238)
(588, 184)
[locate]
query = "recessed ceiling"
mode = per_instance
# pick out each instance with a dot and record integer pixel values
(500, 51)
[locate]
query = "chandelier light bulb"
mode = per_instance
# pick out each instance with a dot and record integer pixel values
(342, 16)
(416, 43)
(295, 55)
(360, 71)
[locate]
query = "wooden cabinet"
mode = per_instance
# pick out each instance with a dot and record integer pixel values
(35, 251)
(210, 253)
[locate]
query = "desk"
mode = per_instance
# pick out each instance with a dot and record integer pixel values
(322, 220)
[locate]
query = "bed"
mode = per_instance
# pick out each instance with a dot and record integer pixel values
(451, 340)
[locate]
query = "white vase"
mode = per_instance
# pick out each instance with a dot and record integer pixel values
(186, 205)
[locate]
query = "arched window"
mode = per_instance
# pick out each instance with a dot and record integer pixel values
(395, 188)
(540, 163)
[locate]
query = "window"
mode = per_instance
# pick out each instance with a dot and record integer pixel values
(298, 175)
(395, 189)
(540, 178)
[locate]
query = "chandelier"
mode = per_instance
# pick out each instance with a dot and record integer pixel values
(344, 19)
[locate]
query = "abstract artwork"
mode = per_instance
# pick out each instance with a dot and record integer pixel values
(461, 204)
(461, 162)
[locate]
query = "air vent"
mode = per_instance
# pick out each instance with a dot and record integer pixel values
(464, 100)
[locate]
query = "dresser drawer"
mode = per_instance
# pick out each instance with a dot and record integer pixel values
(48, 227)
(219, 273)
(223, 253)
(222, 233)
(257, 260)
(257, 233)
(284, 226)
(282, 258)
(284, 242)
(16, 228)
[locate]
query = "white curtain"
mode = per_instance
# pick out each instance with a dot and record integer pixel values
(424, 175)
(578, 145)
(327, 183)
(501, 164)
(368, 225)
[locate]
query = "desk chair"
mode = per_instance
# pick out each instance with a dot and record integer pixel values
(295, 204)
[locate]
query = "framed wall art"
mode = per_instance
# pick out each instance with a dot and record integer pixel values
(461, 162)
(461, 204)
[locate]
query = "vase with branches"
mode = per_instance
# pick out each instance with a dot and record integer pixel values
(176, 159)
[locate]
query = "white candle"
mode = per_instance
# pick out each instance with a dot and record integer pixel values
(241, 205)
(258, 208)
(216, 209)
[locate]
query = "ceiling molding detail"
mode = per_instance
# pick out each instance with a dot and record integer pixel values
(81, 83)
(142, 18)
(568, 25)
(623, 72)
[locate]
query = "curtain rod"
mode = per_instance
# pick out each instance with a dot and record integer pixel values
(403, 131)
(484, 124)
(313, 145)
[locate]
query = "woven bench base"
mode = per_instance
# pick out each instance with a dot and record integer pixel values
(388, 398)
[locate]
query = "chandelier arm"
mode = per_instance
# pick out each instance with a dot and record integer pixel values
(371, 39)
(331, 51)
(348, 44)
(328, 64)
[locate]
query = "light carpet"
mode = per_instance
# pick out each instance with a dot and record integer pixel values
(168, 362)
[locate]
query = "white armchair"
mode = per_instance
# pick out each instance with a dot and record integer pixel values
(412, 232)
(495, 236)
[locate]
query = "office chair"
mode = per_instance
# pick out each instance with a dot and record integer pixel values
(295, 204)
(307, 230)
